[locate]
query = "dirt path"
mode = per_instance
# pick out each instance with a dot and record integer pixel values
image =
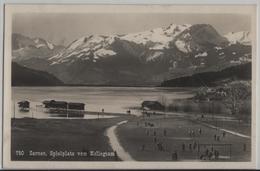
(115, 144)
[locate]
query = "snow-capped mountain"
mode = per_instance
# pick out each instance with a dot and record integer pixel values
(242, 37)
(83, 48)
(102, 46)
(24, 48)
(142, 58)
(156, 39)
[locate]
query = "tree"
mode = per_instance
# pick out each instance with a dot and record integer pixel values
(202, 93)
(236, 94)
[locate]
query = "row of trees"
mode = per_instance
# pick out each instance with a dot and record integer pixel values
(234, 97)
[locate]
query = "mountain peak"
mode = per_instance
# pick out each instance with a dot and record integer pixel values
(25, 47)
(242, 37)
(198, 37)
(207, 34)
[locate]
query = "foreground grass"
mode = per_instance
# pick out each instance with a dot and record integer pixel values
(134, 136)
(76, 135)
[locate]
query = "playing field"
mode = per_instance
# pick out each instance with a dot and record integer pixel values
(165, 139)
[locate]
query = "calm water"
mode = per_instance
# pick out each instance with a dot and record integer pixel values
(111, 99)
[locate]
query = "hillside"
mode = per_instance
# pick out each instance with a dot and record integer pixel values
(22, 76)
(239, 72)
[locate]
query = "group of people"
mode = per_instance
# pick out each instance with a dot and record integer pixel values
(192, 133)
(154, 132)
(210, 154)
(146, 124)
(191, 146)
(159, 146)
(217, 137)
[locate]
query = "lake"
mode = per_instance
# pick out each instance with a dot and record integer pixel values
(111, 99)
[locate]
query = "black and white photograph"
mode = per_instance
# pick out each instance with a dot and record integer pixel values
(140, 84)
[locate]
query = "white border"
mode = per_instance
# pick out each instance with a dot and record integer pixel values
(96, 165)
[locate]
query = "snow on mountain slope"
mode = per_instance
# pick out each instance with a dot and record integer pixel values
(94, 45)
(101, 46)
(50, 45)
(165, 45)
(242, 37)
(104, 53)
(154, 56)
(24, 48)
(160, 37)
(182, 46)
(155, 35)
(42, 43)
(146, 57)
(204, 54)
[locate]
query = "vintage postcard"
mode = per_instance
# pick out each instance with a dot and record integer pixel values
(129, 86)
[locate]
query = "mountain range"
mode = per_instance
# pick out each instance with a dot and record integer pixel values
(144, 58)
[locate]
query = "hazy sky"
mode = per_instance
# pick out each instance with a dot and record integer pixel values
(64, 28)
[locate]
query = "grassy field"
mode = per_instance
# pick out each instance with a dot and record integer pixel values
(75, 135)
(138, 138)
(235, 125)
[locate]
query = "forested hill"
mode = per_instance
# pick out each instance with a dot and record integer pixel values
(239, 72)
(22, 76)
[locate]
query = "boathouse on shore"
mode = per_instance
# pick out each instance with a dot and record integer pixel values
(24, 104)
(76, 106)
(55, 104)
(63, 105)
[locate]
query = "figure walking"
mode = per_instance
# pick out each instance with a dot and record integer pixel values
(175, 156)
(164, 132)
(183, 147)
(224, 134)
(244, 147)
(143, 147)
(190, 147)
(116, 156)
(215, 137)
(200, 131)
